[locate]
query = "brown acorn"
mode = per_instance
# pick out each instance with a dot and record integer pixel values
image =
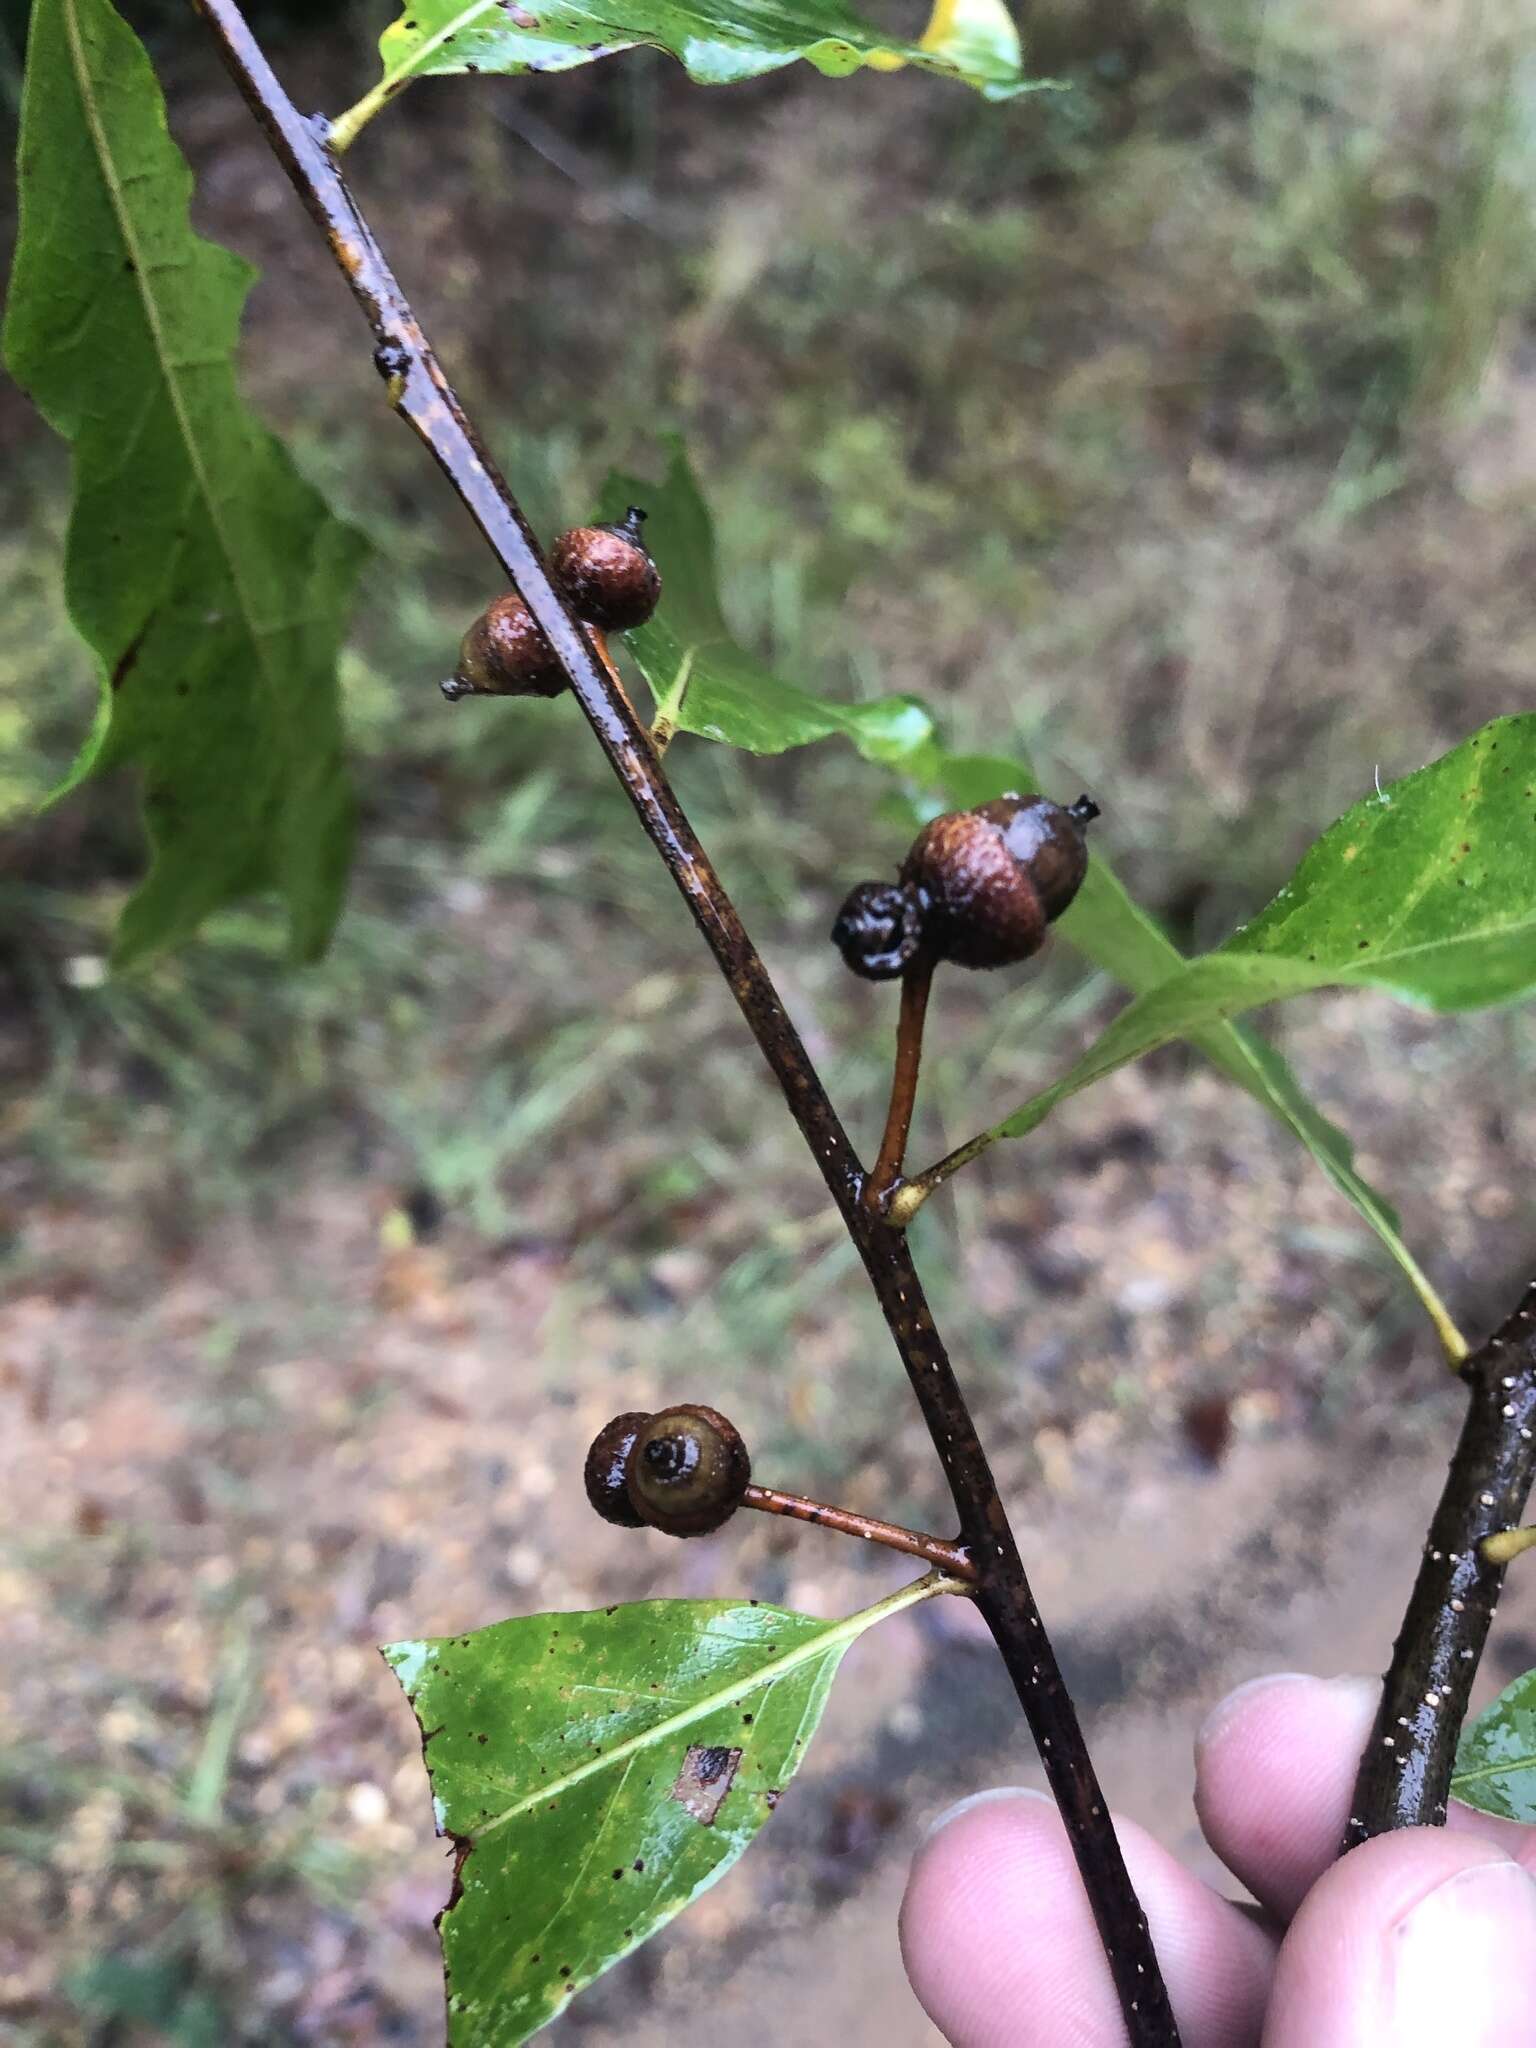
(505, 654)
(606, 575)
(688, 1470)
(992, 879)
(606, 1473)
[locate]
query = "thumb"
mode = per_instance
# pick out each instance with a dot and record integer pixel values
(1418, 1938)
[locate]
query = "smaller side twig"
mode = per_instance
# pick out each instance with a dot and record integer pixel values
(1405, 1777)
(1513, 1543)
(886, 1173)
(601, 648)
(953, 1558)
(904, 1201)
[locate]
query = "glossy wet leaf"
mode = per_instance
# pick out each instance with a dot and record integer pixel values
(702, 679)
(1112, 930)
(598, 1772)
(973, 41)
(1496, 1757)
(208, 579)
(1427, 889)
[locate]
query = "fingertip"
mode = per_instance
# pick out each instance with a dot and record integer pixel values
(1233, 1709)
(1002, 1950)
(973, 1802)
(1416, 1938)
(977, 1914)
(1275, 1763)
(1289, 1702)
(1516, 1838)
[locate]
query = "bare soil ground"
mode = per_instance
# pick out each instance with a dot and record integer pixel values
(238, 1467)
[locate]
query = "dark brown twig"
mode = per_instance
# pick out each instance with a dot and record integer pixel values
(953, 1558)
(915, 986)
(421, 393)
(1405, 1777)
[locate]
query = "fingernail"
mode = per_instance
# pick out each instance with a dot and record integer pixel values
(1226, 1709)
(1463, 1959)
(1354, 1698)
(995, 1796)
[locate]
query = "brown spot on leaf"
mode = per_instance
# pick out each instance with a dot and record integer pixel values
(130, 654)
(707, 1775)
(461, 1848)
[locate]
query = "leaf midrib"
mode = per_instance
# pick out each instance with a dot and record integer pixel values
(115, 187)
(1350, 973)
(1221, 1011)
(836, 1634)
(1476, 1775)
(465, 18)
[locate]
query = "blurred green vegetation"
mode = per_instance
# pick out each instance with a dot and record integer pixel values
(192, 1865)
(957, 371)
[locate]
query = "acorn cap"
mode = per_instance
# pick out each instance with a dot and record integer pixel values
(606, 575)
(688, 1470)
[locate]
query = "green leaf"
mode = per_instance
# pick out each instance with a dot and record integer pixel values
(598, 1772)
(1496, 1757)
(1125, 941)
(974, 41)
(206, 576)
(1427, 889)
(153, 1992)
(978, 41)
(703, 681)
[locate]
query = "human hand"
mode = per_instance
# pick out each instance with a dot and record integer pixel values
(1421, 1939)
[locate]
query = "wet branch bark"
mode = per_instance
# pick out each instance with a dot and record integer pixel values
(1405, 1777)
(422, 395)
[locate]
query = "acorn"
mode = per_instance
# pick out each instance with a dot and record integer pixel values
(688, 1470)
(606, 575)
(505, 654)
(606, 1473)
(992, 879)
(879, 930)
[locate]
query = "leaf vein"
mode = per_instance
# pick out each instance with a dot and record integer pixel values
(117, 184)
